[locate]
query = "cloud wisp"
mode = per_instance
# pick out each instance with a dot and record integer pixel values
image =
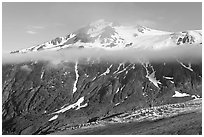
(31, 32)
(33, 29)
(189, 53)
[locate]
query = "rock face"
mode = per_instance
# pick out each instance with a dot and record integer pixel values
(38, 98)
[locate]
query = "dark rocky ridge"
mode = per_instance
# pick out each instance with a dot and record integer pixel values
(32, 91)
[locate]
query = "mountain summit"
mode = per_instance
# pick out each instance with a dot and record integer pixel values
(109, 35)
(73, 94)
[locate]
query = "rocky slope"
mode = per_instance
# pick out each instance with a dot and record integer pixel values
(37, 98)
(173, 119)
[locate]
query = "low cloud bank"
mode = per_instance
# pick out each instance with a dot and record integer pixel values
(190, 53)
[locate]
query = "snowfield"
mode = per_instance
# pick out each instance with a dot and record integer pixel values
(107, 35)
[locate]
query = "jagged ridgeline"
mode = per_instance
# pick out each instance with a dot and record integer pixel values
(112, 36)
(46, 90)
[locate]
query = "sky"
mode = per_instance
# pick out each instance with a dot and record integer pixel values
(28, 24)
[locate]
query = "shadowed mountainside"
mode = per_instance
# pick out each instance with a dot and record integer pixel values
(39, 98)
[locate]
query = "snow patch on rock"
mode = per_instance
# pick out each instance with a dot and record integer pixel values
(168, 77)
(151, 76)
(178, 94)
(118, 68)
(107, 71)
(187, 67)
(117, 90)
(53, 118)
(77, 77)
(42, 74)
(77, 105)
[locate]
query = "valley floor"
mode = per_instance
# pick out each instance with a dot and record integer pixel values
(181, 118)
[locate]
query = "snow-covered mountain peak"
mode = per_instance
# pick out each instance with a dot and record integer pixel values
(97, 27)
(142, 28)
(109, 35)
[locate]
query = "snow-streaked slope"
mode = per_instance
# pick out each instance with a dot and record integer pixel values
(107, 35)
(77, 77)
(77, 105)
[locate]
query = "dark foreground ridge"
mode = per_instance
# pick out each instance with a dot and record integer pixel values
(40, 98)
(175, 119)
